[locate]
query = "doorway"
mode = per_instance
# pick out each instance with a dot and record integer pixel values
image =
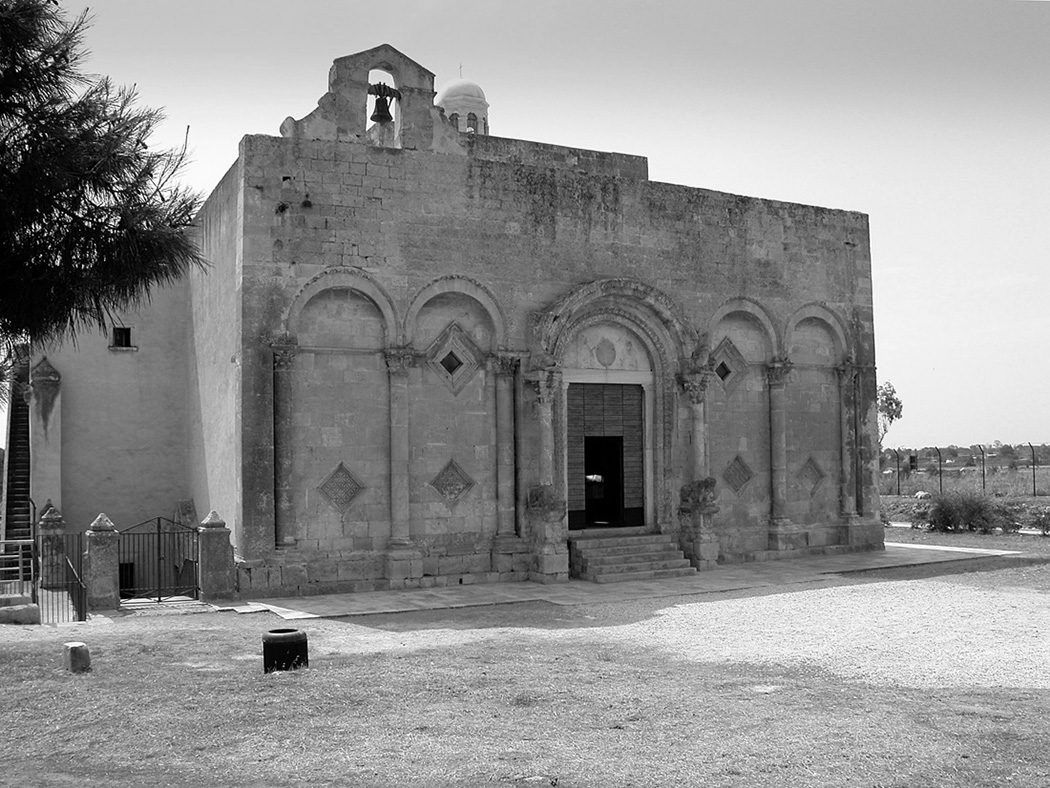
(603, 481)
(605, 455)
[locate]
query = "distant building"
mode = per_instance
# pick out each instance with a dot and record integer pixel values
(425, 355)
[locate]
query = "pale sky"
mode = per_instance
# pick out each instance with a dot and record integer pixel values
(931, 116)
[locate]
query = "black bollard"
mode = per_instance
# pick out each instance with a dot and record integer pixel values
(285, 649)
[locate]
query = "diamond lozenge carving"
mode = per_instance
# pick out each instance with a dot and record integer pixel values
(452, 482)
(341, 488)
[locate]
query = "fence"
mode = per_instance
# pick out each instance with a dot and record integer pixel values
(907, 473)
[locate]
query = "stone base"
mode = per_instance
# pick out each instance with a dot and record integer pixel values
(20, 614)
(783, 535)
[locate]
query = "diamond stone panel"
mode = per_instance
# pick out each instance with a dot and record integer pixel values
(452, 482)
(730, 364)
(341, 488)
(811, 475)
(737, 474)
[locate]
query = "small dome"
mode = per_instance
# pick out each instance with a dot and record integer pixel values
(459, 89)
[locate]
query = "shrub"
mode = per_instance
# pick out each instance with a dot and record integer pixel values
(964, 510)
(1041, 520)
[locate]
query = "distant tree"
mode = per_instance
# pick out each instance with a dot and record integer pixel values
(91, 219)
(1007, 451)
(889, 408)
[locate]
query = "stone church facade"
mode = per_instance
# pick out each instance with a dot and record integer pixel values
(424, 356)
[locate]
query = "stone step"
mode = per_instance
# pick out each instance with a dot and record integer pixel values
(648, 574)
(644, 548)
(636, 566)
(667, 554)
(590, 543)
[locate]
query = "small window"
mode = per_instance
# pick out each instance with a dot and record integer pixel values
(723, 371)
(121, 336)
(451, 363)
(454, 117)
(472, 122)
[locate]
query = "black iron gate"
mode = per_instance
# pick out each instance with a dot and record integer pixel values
(158, 560)
(60, 588)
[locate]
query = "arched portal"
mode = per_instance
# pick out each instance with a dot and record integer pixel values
(607, 375)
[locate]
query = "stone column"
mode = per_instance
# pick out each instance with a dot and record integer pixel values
(102, 567)
(777, 374)
(45, 432)
(284, 354)
(215, 565)
(695, 386)
(510, 553)
(546, 390)
(51, 532)
(505, 367)
(398, 361)
(847, 375)
(782, 533)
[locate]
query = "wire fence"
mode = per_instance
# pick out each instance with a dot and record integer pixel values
(993, 472)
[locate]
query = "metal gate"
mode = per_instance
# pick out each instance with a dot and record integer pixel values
(158, 560)
(49, 574)
(61, 591)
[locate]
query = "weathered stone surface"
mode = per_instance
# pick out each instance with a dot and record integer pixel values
(411, 311)
(20, 614)
(76, 657)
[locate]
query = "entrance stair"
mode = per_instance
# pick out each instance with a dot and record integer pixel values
(611, 555)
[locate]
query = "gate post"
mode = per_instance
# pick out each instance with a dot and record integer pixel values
(102, 577)
(51, 531)
(215, 558)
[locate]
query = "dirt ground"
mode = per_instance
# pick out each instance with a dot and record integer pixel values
(877, 682)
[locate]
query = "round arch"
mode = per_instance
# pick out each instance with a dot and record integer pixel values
(464, 286)
(639, 302)
(819, 311)
(756, 312)
(345, 279)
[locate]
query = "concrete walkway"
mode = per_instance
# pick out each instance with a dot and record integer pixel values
(730, 577)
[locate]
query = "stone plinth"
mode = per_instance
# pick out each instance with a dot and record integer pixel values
(215, 563)
(102, 568)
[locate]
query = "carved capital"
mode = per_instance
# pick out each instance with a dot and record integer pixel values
(545, 385)
(399, 360)
(283, 356)
(847, 373)
(695, 384)
(777, 372)
(504, 364)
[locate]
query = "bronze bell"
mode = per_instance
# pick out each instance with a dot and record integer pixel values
(382, 111)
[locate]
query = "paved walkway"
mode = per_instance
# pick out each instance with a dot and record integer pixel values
(731, 577)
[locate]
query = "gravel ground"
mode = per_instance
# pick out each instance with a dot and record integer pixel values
(978, 630)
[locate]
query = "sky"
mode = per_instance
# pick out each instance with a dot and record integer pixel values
(930, 116)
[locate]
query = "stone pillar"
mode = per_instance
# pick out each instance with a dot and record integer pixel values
(782, 534)
(505, 367)
(510, 553)
(695, 386)
(215, 565)
(398, 361)
(51, 532)
(546, 389)
(102, 567)
(284, 354)
(847, 375)
(403, 564)
(45, 432)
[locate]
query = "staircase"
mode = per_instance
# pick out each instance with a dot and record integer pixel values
(612, 555)
(17, 504)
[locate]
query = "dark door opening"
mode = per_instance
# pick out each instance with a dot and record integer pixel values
(603, 475)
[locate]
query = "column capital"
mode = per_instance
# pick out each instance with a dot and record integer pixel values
(504, 364)
(695, 384)
(399, 359)
(285, 349)
(778, 371)
(546, 384)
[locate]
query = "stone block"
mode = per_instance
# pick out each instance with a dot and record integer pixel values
(76, 657)
(20, 614)
(293, 576)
